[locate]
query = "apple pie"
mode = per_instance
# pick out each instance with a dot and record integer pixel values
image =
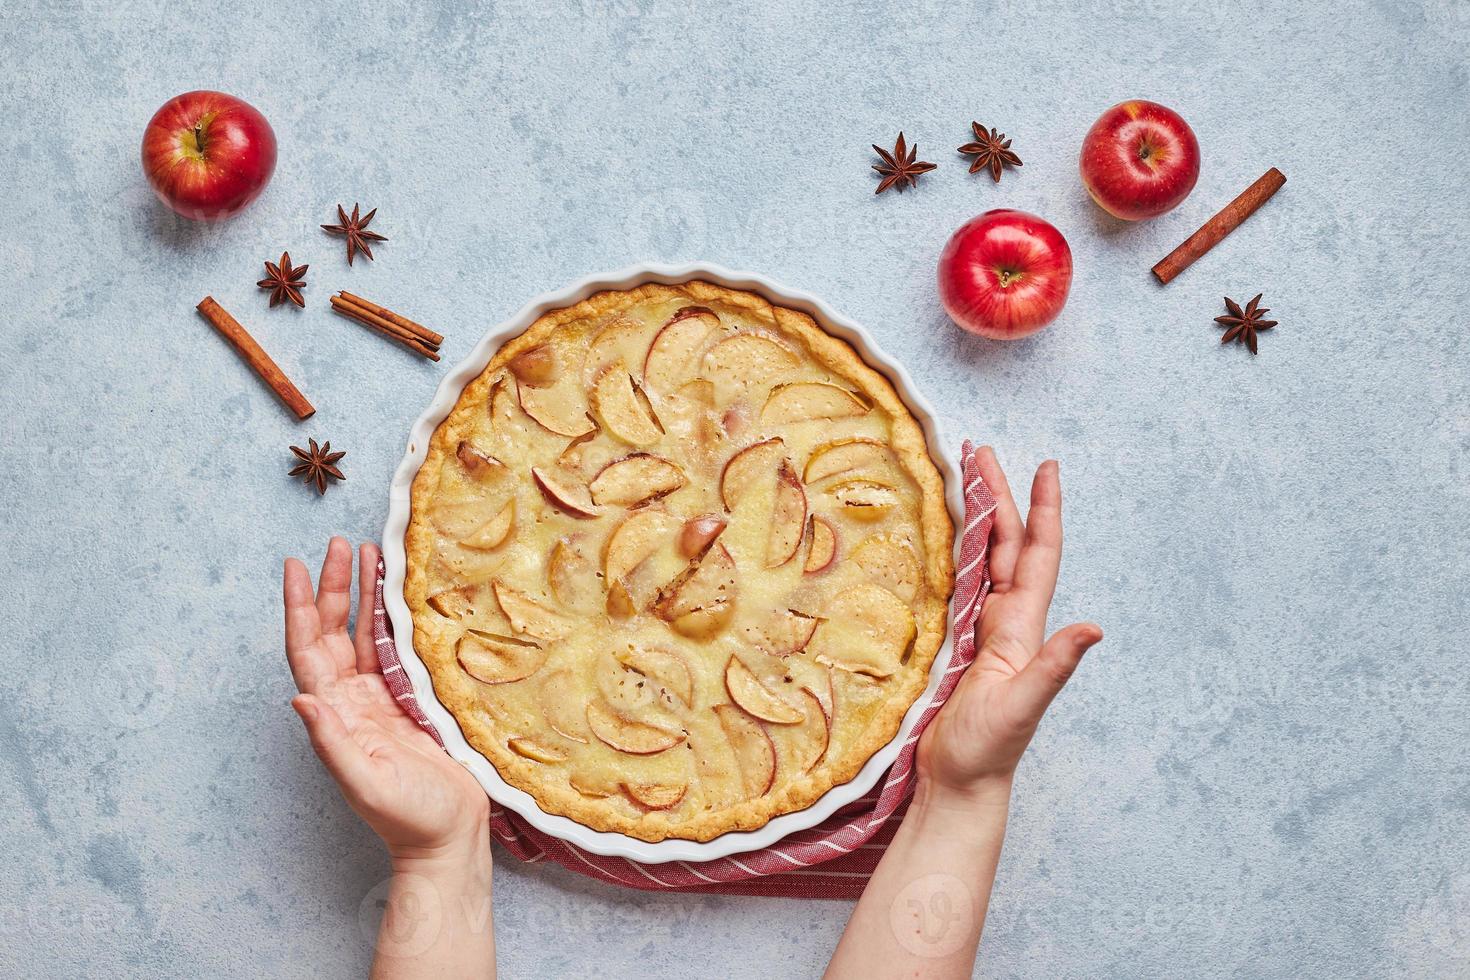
(678, 561)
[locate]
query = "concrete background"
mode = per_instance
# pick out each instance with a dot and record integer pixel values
(1261, 772)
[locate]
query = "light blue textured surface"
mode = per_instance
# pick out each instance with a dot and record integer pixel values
(1262, 770)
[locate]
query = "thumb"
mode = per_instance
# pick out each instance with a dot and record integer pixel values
(344, 758)
(1048, 672)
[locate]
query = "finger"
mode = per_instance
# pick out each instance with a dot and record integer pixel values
(334, 587)
(1049, 671)
(311, 666)
(344, 758)
(1007, 532)
(1041, 556)
(367, 587)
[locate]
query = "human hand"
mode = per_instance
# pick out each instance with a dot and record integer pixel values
(971, 749)
(422, 803)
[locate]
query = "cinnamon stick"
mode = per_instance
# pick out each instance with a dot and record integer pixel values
(256, 357)
(385, 327)
(1222, 224)
(423, 333)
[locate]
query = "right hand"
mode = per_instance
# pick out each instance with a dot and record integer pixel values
(973, 746)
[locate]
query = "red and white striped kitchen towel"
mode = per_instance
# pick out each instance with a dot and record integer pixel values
(831, 860)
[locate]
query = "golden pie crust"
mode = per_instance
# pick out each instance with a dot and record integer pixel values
(678, 561)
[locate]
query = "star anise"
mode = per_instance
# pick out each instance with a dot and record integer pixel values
(284, 281)
(990, 149)
(1242, 325)
(317, 464)
(899, 168)
(355, 228)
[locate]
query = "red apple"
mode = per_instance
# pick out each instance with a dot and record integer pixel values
(208, 154)
(1005, 274)
(1139, 160)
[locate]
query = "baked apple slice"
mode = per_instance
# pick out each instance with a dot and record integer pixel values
(755, 754)
(635, 540)
(449, 603)
(536, 367)
(788, 517)
(511, 429)
(605, 348)
(592, 786)
(619, 603)
(869, 631)
(748, 467)
(461, 564)
(632, 737)
(823, 551)
(670, 360)
(561, 408)
(865, 500)
(809, 740)
(575, 454)
(845, 456)
(698, 533)
(477, 463)
(462, 502)
(528, 617)
(635, 480)
(627, 693)
(745, 359)
(572, 576)
(498, 659)
(457, 518)
(464, 602)
(669, 670)
(701, 600)
(746, 690)
(529, 748)
(784, 632)
(623, 408)
(563, 495)
(715, 766)
(807, 401)
(696, 393)
(655, 796)
(689, 419)
(819, 686)
(561, 702)
(736, 418)
(891, 564)
(503, 407)
(494, 532)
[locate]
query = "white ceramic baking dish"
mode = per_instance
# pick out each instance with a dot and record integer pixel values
(601, 842)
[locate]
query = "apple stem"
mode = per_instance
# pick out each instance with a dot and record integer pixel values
(199, 137)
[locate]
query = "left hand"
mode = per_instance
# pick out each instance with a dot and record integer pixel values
(415, 797)
(971, 749)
